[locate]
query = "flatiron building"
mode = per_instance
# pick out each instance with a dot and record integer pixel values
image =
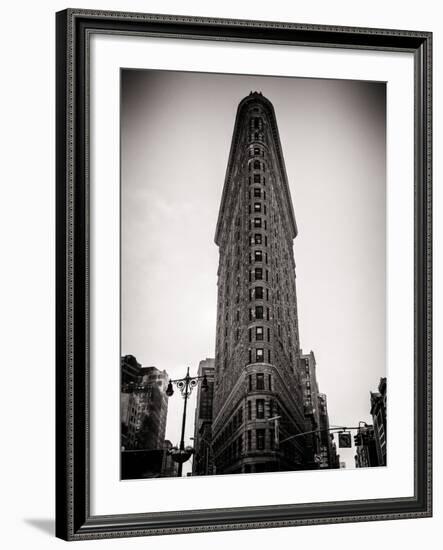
(257, 379)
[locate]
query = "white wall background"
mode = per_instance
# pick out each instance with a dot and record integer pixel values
(27, 277)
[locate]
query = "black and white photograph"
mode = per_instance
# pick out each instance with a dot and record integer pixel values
(220, 238)
(253, 274)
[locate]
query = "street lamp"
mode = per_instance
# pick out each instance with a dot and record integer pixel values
(185, 385)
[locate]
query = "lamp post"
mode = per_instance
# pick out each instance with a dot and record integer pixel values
(185, 385)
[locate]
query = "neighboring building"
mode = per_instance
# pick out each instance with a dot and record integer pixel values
(371, 440)
(203, 459)
(311, 405)
(366, 451)
(257, 341)
(130, 374)
(144, 405)
(329, 457)
(153, 428)
(378, 412)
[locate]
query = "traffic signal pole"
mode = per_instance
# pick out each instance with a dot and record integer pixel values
(335, 429)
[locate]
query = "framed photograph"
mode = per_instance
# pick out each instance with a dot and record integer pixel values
(244, 307)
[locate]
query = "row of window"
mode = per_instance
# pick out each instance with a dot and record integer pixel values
(257, 255)
(257, 334)
(260, 311)
(254, 238)
(256, 293)
(274, 244)
(256, 355)
(257, 273)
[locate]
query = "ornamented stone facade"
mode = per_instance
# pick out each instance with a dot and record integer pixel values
(257, 368)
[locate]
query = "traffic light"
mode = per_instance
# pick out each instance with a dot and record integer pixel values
(358, 440)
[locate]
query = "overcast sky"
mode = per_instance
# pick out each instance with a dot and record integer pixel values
(176, 131)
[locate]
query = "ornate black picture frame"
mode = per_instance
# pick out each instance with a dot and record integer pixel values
(74, 29)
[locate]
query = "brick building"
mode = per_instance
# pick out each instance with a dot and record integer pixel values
(257, 372)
